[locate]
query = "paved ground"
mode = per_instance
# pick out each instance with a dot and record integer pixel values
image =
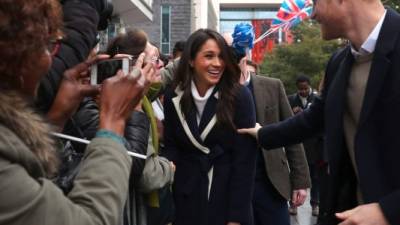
(304, 216)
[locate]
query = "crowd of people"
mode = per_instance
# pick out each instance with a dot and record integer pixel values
(199, 138)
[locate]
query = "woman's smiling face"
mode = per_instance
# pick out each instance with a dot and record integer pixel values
(208, 65)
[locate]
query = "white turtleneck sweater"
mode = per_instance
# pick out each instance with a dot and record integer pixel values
(200, 101)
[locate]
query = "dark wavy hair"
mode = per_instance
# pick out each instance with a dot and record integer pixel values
(26, 28)
(227, 86)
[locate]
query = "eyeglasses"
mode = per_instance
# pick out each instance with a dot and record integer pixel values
(155, 59)
(54, 46)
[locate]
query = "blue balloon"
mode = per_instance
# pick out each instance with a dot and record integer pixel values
(243, 37)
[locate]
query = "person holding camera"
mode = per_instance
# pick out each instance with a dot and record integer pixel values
(27, 152)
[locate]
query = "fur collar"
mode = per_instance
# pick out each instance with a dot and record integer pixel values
(32, 130)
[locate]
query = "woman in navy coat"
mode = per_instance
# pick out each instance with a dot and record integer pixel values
(215, 165)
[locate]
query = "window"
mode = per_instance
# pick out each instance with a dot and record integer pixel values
(165, 29)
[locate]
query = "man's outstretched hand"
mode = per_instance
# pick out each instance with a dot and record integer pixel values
(252, 131)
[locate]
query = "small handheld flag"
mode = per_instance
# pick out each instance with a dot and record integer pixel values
(291, 13)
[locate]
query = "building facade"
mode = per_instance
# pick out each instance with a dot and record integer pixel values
(175, 20)
(171, 23)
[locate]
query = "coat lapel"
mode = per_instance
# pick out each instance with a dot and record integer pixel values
(336, 98)
(209, 118)
(380, 63)
(192, 123)
(188, 129)
(335, 101)
(209, 110)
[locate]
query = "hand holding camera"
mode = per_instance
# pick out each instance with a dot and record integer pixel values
(121, 93)
(109, 67)
(73, 88)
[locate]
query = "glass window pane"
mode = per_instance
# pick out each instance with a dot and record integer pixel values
(165, 48)
(165, 28)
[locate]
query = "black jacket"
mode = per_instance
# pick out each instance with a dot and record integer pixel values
(80, 30)
(136, 131)
(137, 135)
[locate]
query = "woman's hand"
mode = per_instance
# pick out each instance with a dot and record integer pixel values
(121, 93)
(73, 88)
(252, 131)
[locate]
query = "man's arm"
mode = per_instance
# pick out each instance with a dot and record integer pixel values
(303, 125)
(295, 129)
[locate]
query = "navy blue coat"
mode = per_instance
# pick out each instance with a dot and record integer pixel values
(377, 139)
(197, 150)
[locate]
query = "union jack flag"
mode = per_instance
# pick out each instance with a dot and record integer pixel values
(291, 13)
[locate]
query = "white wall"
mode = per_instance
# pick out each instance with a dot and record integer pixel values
(134, 11)
(213, 14)
(199, 14)
(201, 11)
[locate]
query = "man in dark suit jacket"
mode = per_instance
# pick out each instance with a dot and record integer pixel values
(299, 102)
(275, 184)
(358, 110)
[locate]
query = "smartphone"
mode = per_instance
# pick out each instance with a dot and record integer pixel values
(108, 68)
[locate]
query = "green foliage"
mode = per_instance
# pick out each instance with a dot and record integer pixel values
(394, 4)
(308, 54)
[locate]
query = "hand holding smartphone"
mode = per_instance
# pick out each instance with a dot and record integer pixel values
(121, 93)
(109, 67)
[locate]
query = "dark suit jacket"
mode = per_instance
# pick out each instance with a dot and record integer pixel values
(294, 100)
(312, 146)
(377, 142)
(196, 149)
(272, 106)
